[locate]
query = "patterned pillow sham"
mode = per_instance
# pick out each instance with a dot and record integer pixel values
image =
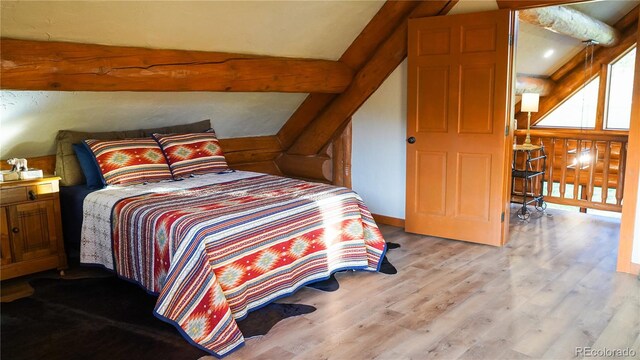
(192, 154)
(129, 161)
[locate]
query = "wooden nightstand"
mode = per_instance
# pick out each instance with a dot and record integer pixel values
(30, 227)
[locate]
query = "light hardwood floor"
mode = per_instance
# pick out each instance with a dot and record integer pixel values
(551, 289)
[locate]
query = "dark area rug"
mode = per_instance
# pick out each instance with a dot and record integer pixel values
(386, 267)
(105, 318)
(329, 285)
(391, 245)
(332, 284)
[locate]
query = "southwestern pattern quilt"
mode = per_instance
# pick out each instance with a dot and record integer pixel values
(214, 252)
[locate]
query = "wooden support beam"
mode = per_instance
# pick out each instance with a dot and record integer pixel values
(48, 65)
(382, 63)
(533, 84)
(568, 81)
(266, 167)
(390, 15)
(304, 114)
(252, 153)
(307, 167)
(341, 157)
(571, 22)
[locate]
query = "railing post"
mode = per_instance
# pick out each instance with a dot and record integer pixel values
(621, 168)
(606, 164)
(577, 170)
(593, 161)
(551, 157)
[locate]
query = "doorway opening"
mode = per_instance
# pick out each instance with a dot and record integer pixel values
(582, 116)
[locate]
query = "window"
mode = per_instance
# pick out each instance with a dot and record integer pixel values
(620, 91)
(578, 111)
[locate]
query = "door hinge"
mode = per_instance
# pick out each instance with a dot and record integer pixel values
(506, 130)
(502, 217)
(511, 39)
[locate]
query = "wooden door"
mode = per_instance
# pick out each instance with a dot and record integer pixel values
(33, 231)
(460, 71)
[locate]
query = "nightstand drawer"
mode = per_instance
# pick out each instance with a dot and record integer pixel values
(44, 190)
(14, 195)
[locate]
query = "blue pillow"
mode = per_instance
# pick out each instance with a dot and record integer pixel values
(89, 166)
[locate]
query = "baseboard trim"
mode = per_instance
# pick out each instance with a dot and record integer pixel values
(388, 220)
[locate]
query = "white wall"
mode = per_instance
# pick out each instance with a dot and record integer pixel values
(29, 120)
(378, 155)
(379, 131)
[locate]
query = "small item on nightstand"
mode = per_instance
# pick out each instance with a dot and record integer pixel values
(7, 175)
(18, 164)
(31, 174)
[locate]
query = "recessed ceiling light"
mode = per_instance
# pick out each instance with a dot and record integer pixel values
(548, 53)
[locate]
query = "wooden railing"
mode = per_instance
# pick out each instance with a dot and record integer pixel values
(584, 169)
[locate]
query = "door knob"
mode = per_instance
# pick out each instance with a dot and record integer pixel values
(411, 140)
(15, 230)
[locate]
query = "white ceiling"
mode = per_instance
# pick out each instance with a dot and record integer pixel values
(534, 41)
(313, 29)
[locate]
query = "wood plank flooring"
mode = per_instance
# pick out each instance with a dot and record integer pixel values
(551, 289)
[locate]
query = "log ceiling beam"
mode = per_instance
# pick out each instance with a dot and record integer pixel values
(386, 58)
(570, 80)
(390, 15)
(573, 23)
(63, 66)
(533, 84)
(306, 167)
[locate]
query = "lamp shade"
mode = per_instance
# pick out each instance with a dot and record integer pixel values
(530, 102)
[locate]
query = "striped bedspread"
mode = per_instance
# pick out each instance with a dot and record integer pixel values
(215, 252)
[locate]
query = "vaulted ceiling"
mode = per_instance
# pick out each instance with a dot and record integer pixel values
(306, 29)
(534, 42)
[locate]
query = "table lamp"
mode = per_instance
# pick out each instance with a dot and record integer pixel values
(529, 104)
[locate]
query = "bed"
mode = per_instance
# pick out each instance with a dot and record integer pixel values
(214, 247)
